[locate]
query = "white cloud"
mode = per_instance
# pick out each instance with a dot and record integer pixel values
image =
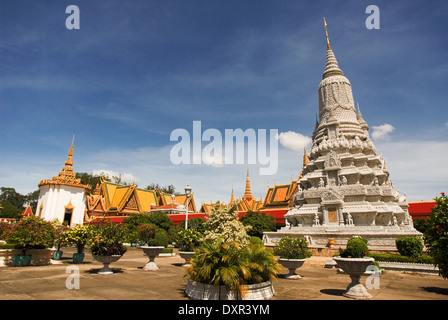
(293, 140)
(125, 177)
(382, 132)
(417, 168)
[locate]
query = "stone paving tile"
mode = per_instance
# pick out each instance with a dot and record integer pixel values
(130, 281)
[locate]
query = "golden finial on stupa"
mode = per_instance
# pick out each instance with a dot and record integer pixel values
(326, 34)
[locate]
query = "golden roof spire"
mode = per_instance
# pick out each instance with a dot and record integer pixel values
(326, 34)
(69, 161)
(232, 197)
(247, 193)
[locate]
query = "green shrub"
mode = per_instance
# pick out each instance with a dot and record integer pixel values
(356, 248)
(388, 257)
(189, 239)
(292, 248)
(160, 239)
(146, 232)
(409, 246)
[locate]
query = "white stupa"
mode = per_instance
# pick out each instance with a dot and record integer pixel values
(345, 190)
(63, 196)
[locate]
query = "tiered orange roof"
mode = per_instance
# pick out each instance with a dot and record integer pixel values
(112, 199)
(115, 199)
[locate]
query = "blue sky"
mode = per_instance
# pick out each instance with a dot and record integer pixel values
(137, 70)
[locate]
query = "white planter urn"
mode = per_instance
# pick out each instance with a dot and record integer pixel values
(292, 265)
(152, 252)
(355, 267)
(186, 255)
(106, 261)
(201, 291)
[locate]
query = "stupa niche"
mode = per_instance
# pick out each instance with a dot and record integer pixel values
(345, 189)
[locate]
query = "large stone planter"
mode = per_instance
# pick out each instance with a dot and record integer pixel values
(355, 267)
(201, 291)
(39, 257)
(106, 261)
(152, 253)
(186, 255)
(292, 265)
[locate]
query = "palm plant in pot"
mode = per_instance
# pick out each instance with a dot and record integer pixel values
(106, 244)
(29, 233)
(224, 271)
(156, 240)
(292, 252)
(354, 261)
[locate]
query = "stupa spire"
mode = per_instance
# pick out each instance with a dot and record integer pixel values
(331, 68)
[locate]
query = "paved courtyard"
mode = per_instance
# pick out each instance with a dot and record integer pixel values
(130, 281)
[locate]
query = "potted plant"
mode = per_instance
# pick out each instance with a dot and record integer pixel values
(292, 252)
(157, 240)
(77, 236)
(29, 233)
(188, 240)
(58, 239)
(106, 244)
(224, 271)
(354, 262)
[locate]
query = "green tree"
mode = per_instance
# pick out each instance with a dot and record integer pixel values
(32, 199)
(9, 211)
(166, 189)
(11, 196)
(259, 222)
(436, 234)
(91, 180)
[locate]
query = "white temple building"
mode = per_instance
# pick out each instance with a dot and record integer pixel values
(63, 196)
(345, 189)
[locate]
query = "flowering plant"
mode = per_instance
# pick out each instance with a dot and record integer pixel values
(4, 226)
(30, 232)
(78, 236)
(58, 236)
(107, 239)
(189, 239)
(292, 248)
